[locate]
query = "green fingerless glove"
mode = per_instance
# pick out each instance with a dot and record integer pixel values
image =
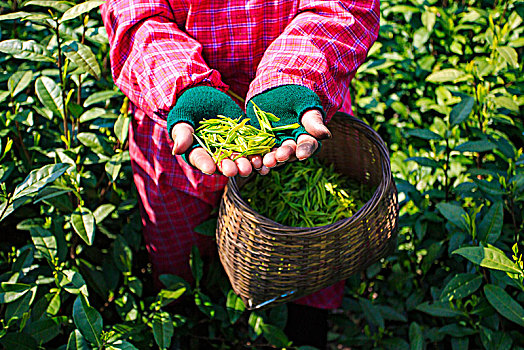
(199, 103)
(287, 102)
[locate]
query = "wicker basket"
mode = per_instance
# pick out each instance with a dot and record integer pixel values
(268, 263)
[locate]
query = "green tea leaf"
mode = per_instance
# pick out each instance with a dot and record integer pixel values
(39, 178)
(83, 222)
(462, 110)
(196, 263)
(371, 313)
(439, 309)
(504, 304)
(461, 286)
(80, 9)
(101, 96)
(19, 81)
(44, 330)
(454, 214)
(50, 95)
(424, 134)
(77, 341)
(83, 57)
(45, 242)
(26, 50)
(445, 75)
(234, 306)
(510, 55)
(60, 6)
(19, 341)
(122, 127)
(204, 304)
(95, 142)
(416, 338)
(88, 321)
(506, 102)
(274, 335)
(490, 227)
(10, 292)
(475, 146)
(16, 309)
(488, 257)
(163, 329)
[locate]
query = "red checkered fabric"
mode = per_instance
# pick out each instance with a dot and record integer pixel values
(159, 48)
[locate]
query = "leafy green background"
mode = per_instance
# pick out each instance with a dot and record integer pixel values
(443, 87)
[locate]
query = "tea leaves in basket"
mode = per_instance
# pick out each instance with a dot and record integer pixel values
(305, 194)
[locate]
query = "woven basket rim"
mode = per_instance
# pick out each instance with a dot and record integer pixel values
(369, 206)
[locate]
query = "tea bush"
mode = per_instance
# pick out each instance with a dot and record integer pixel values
(443, 87)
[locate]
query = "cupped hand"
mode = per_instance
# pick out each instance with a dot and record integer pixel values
(304, 147)
(182, 135)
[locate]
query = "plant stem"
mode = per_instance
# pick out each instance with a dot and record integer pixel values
(446, 177)
(22, 145)
(62, 83)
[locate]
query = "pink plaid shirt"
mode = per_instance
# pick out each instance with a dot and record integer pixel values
(159, 48)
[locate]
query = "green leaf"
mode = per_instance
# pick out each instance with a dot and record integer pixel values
(83, 57)
(43, 330)
(10, 292)
(462, 110)
(428, 162)
(114, 165)
(45, 242)
(445, 75)
(101, 96)
(461, 286)
(18, 341)
(102, 212)
(475, 146)
(490, 227)
(196, 263)
(83, 222)
(255, 323)
(416, 338)
(420, 37)
(50, 95)
(122, 254)
(121, 345)
(439, 309)
(459, 343)
(94, 141)
(454, 214)
(504, 304)
(163, 329)
(122, 127)
(27, 50)
(88, 321)
(60, 6)
(80, 9)
(488, 257)
(77, 341)
(39, 178)
(21, 305)
(207, 228)
(19, 81)
(3, 96)
(495, 340)
(234, 306)
(456, 330)
(204, 304)
(275, 336)
(424, 134)
(371, 313)
(510, 55)
(506, 102)
(14, 15)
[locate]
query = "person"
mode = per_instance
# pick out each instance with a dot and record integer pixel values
(181, 61)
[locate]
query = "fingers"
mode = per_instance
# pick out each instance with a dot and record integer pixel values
(314, 125)
(228, 167)
(200, 159)
(286, 151)
(306, 146)
(256, 161)
(182, 135)
(243, 166)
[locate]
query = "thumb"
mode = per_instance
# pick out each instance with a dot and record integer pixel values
(182, 135)
(314, 125)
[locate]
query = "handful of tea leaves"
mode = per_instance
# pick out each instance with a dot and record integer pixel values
(224, 137)
(305, 194)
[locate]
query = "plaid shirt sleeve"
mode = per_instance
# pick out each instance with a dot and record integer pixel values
(152, 60)
(321, 48)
